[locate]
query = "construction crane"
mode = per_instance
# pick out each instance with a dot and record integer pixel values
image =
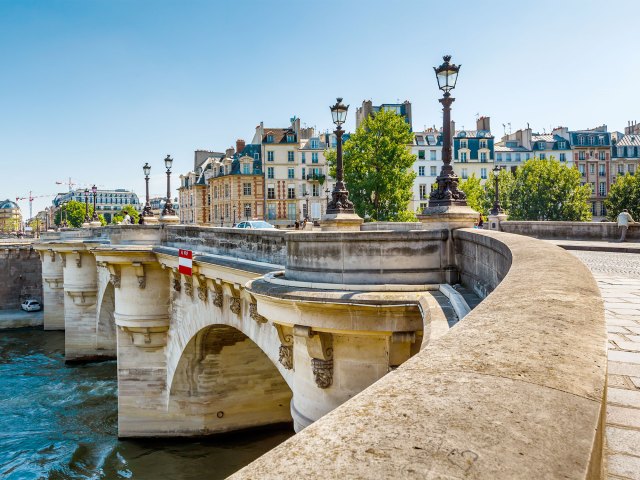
(31, 197)
(70, 183)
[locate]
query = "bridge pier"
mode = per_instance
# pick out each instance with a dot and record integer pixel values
(52, 288)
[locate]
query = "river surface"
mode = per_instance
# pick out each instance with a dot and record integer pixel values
(60, 422)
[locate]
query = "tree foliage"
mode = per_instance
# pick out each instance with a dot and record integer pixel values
(377, 167)
(131, 210)
(74, 213)
(624, 193)
(548, 190)
(506, 180)
(476, 194)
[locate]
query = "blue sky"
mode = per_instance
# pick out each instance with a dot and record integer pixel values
(93, 89)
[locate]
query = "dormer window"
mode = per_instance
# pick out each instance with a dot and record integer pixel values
(270, 138)
(581, 140)
(561, 145)
(314, 143)
(483, 144)
(290, 138)
(463, 144)
(542, 145)
(592, 140)
(601, 140)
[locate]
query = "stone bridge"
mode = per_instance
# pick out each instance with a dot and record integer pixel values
(276, 327)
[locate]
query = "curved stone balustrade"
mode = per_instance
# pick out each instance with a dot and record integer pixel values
(515, 390)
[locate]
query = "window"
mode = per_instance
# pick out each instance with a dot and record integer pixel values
(593, 208)
(621, 168)
(581, 140)
(246, 189)
(602, 190)
(483, 157)
(291, 193)
(270, 156)
(593, 187)
(542, 145)
(303, 157)
(581, 155)
(247, 210)
(421, 171)
(463, 157)
(432, 154)
(563, 157)
(592, 140)
(432, 171)
(314, 143)
(464, 173)
(581, 169)
(562, 145)
(602, 156)
(256, 156)
(290, 156)
(421, 155)
(290, 138)
(291, 173)
(483, 173)
(314, 157)
(631, 169)
(270, 138)
(226, 211)
(483, 144)
(518, 158)
(304, 170)
(269, 172)
(592, 168)
(601, 170)
(601, 140)
(246, 168)
(543, 156)
(463, 144)
(528, 156)
(423, 192)
(271, 193)
(226, 190)
(315, 190)
(603, 210)
(508, 157)
(291, 212)
(498, 157)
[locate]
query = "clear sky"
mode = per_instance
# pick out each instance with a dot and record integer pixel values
(93, 89)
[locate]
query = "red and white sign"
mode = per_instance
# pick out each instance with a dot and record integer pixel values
(185, 261)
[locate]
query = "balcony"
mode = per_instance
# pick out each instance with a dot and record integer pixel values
(316, 177)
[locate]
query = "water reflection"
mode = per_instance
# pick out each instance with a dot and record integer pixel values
(59, 422)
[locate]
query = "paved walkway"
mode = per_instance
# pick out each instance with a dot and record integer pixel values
(20, 318)
(598, 245)
(618, 275)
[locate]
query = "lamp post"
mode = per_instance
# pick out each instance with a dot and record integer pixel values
(86, 206)
(94, 218)
(340, 202)
(447, 193)
(222, 221)
(146, 211)
(168, 206)
(306, 197)
(234, 216)
(497, 208)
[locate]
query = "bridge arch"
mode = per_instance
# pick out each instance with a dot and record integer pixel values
(105, 321)
(226, 382)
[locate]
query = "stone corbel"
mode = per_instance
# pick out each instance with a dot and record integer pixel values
(176, 280)
(78, 258)
(188, 285)
(114, 274)
(55, 283)
(399, 348)
(216, 287)
(52, 254)
(147, 337)
(83, 298)
(285, 353)
(235, 305)
(140, 275)
(320, 349)
(203, 290)
(253, 312)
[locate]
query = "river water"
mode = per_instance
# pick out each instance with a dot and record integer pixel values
(60, 422)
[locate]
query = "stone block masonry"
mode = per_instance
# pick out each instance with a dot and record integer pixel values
(20, 275)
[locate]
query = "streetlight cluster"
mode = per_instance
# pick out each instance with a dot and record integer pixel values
(168, 210)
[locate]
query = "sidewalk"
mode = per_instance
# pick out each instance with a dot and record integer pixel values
(20, 318)
(597, 246)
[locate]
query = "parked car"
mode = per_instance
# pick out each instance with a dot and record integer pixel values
(31, 306)
(255, 224)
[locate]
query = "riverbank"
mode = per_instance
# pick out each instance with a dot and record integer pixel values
(10, 319)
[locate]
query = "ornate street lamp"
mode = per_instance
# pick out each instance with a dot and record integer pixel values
(340, 202)
(306, 197)
(447, 193)
(95, 218)
(86, 206)
(497, 208)
(168, 206)
(222, 221)
(234, 216)
(146, 211)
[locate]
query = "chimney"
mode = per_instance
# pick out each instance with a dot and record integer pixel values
(240, 144)
(483, 124)
(229, 152)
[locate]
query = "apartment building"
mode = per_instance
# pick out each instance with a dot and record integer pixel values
(473, 150)
(427, 147)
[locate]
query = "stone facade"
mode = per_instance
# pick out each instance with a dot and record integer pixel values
(20, 275)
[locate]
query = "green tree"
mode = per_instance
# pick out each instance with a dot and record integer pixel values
(377, 167)
(549, 190)
(74, 212)
(505, 187)
(131, 210)
(476, 194)
(624, 193)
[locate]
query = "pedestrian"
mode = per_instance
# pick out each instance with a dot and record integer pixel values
(623, 223)
(127, 219)
(297, 224)
(480, 222)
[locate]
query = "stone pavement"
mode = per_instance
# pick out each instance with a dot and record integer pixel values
(618, 276)
(598, 245)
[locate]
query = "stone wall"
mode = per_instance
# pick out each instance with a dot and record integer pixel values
(570, 230)
(20, 275)
(268, 246)
(515, 390)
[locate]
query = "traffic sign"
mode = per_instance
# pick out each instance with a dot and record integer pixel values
(185, 261)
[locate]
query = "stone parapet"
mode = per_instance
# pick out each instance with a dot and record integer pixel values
(515, 390)
(570, 230)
